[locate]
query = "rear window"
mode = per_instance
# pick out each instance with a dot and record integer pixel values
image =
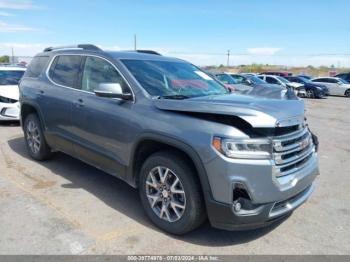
(36, 66)
(10, 77)
(65, 69)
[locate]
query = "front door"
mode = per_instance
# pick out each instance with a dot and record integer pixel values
(103, 127)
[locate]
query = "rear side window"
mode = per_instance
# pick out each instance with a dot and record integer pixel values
(65, 69)
(36, 66)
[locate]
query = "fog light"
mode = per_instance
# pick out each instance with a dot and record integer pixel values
(237, 207)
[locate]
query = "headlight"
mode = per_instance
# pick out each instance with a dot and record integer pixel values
(247, 149)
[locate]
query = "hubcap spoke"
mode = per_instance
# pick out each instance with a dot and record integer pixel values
(154, 199)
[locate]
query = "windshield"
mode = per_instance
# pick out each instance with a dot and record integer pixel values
(256, 80)
(10, 77)
(342, 80)
(173, 79)
(226, 79)
(282, 79)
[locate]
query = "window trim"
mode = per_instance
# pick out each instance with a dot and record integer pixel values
(79, 76)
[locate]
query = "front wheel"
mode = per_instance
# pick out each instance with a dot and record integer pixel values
(347, 93)
(310, 93)
(171, 194)
(35, 139)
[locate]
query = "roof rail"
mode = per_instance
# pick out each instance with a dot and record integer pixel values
(80, 46)
(148, 52)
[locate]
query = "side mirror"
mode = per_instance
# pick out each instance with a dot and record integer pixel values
(248, 82)
(339, 83)
(112, 90)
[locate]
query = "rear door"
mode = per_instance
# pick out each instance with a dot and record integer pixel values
(57, 98)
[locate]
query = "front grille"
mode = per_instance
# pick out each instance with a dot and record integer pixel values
(291, 152)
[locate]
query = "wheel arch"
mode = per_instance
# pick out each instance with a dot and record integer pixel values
(29, 108)
(347, 90)
(151, 143)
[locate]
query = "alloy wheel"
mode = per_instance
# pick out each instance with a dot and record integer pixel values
(165, 194)
(33, 137)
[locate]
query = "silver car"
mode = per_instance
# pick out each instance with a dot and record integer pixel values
(336, 85)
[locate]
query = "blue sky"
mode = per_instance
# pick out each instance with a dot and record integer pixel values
(293, 32)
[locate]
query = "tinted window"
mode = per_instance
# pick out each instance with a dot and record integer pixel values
(65, 70)
(37, 66)
(10, 77)
(97, 71)
(271, 80)
(331, 80)
(322, 80)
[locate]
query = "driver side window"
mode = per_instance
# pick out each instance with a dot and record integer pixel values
(97, 71)
(271, 80)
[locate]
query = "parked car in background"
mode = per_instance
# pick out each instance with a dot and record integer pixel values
(313, 90)
(262, 88)
(337, 86)
(306, 76)
(9, 93)
(276, 73)
(278, 80)
(193, 150)
(231, 84)
(344, 76)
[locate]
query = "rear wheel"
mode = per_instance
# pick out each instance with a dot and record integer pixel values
(170, 193)
(347, 93)
(35, 140)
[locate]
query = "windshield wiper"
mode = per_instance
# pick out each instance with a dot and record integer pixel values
(178, 97)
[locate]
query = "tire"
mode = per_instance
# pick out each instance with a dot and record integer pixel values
(34, 137)
(310, 93)
(185, 219)
(347, 93)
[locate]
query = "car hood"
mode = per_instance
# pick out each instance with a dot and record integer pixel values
(10, 91)
(257, 111)
(295, 84)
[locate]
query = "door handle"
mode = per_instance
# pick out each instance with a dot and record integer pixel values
(79, 103)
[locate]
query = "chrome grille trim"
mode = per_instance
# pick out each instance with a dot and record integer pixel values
(290, 150)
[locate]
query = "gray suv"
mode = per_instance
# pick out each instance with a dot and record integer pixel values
(193, 150)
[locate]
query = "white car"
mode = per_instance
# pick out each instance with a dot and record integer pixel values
(336, 85)
(9, 92)
(281, 81)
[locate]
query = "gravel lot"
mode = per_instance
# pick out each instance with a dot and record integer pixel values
(64, 206)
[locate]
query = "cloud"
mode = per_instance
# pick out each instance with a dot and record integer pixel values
(12, 28)
(5, 14)
(263, 50)
(18, 4)
(21, 49)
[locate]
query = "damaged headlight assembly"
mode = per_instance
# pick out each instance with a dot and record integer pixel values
(243, 149)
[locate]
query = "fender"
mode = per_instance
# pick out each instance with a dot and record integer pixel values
(37, 109)
(174, 142)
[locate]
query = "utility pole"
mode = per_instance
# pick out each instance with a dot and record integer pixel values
(13, 57)
(135, 42)
(228, 58)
